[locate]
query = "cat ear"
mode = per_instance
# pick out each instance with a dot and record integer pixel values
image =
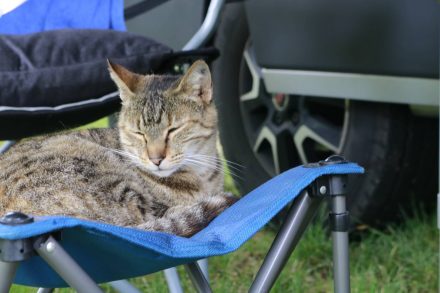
(125, 80)
(196, 83)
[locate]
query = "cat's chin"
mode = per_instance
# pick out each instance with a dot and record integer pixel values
(158, 172)
(163, 173)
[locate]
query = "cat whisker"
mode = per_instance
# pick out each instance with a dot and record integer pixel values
(211, 165)
(128, 157)
(221, 159)
(205, 164)
(229, 164)
(123, 153)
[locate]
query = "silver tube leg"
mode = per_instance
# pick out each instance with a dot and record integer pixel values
(45, 290)
(7, 275)
(299, 216)
(341, 266)
(197, 278)
(6, 145)
(203, 264)
(208, 26)
(54, 254)
(124, 286)
(173, 280)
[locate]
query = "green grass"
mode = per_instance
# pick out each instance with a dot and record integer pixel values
(400, 259)
(102, 123)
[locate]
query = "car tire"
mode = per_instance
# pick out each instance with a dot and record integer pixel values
(395, 148)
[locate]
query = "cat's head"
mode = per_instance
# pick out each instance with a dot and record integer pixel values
(167, 122)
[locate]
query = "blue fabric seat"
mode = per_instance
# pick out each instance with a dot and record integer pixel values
(42, 15)
(109, 252)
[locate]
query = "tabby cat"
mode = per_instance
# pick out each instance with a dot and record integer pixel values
(159, 170)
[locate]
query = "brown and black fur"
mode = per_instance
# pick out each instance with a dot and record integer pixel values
(159, 170)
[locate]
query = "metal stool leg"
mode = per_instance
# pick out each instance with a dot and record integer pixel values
(298, 217)
(45, 290)
(12, 252)
(335, 187)
(341, 267)
(7, 275)
(197, 278)
(54, 254)
(124, 286)
(203, 264)
(173, 280)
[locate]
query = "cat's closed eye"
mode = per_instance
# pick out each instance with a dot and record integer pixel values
(140, 135)
(172, 129)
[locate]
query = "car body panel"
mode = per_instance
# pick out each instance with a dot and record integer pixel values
(378, 37)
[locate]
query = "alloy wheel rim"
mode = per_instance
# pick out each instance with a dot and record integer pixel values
(287, 130)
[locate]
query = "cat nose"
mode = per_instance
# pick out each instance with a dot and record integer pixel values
(157, 161)
(156, 152)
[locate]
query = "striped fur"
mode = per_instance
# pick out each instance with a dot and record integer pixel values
(111, 175)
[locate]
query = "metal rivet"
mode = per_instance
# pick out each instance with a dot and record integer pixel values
(323, 189)
(50, 246)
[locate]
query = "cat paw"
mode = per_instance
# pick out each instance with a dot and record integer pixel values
(230, 198)
(216, 205)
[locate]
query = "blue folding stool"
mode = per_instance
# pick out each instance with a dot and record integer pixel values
(54, 252)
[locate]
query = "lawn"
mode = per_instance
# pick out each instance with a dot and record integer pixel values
(403, 258)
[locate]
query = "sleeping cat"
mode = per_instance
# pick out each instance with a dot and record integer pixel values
(159, 170)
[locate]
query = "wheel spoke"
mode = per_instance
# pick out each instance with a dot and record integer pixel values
(304, 132)
(255, 74)
(298, 139)
(267, 135)
(253, 104)
(323, 133)
(274, 141)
